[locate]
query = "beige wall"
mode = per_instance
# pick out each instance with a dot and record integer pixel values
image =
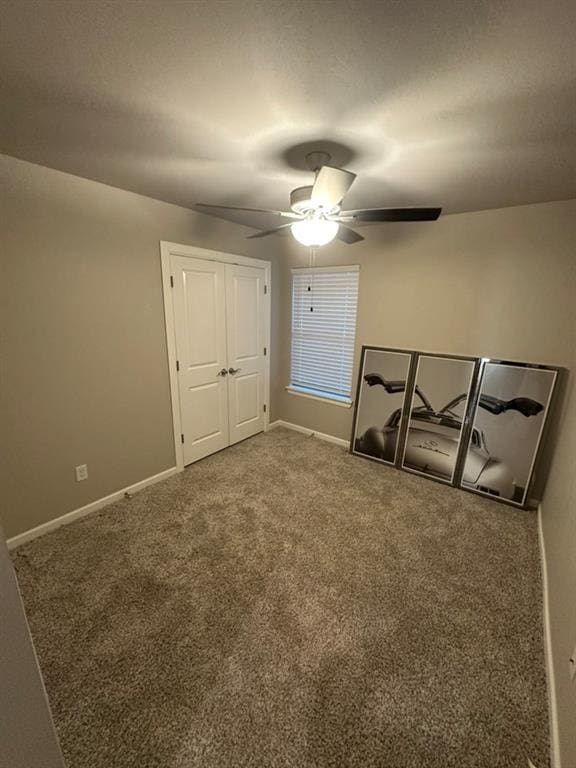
(498, 283)
(84, 377)
(494, 283)
(559, 527)
(27, 735)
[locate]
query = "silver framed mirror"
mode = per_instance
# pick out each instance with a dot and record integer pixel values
(440, 395)
(381, 403)
(510, 411)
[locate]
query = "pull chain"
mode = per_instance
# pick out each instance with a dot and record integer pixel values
(312, 263)
(312, 257)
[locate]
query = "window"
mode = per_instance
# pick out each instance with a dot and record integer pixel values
(324, 304)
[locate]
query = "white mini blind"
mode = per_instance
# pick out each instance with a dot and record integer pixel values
(324, 306)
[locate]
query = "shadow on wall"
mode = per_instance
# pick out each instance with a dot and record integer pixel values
(551, 434)
(380, 242)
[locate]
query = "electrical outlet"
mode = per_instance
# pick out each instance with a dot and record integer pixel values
(572, 662)
(81, 472)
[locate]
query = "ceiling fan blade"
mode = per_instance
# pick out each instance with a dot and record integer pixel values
(275, 231)
(348, 235)
(331, 185)
(214, 208)
(390, 214)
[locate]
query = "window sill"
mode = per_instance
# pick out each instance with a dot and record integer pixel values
(342, 402)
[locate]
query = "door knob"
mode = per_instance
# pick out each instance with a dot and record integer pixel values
(223, 372)
(232, 371)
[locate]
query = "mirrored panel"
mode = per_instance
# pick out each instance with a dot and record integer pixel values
(509, 418)
(380, 401)
(438, 408)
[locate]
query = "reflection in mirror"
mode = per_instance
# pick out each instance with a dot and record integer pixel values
(380, 403)
(507, 427)
(438, 408)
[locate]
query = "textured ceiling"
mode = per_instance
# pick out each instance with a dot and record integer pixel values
(469, 105)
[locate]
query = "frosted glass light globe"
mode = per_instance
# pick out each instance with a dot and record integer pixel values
(314, 232)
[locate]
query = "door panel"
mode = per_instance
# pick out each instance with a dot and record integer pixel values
(200, 321)
(202, 412)
(201, 302)
(246, 315)
(246, 341)
(248, 397)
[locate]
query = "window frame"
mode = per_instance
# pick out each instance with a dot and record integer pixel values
(309, 392)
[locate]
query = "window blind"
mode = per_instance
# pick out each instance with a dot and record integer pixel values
(324, 306)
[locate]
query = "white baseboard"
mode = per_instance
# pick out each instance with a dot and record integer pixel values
(94, 506)
(77, 514)
(310, 432)
(555, 759)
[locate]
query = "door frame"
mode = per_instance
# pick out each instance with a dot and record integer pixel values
(167, 250)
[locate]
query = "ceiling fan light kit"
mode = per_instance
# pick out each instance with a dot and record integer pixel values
(314, 231)
(316, 212)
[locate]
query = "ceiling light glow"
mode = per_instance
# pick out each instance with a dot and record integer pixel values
(315, 231)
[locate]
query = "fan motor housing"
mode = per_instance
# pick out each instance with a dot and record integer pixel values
(300, 202)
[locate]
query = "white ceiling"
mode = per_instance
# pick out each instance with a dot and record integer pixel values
(469, 105)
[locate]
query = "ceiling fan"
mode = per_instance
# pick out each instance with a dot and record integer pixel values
(316, 217)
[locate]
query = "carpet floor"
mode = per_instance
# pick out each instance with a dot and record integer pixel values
(283, 604)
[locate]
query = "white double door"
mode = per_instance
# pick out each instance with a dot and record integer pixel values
(220, 327)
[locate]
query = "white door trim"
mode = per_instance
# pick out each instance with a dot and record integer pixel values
(175, 249)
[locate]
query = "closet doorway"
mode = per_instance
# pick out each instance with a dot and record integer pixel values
(217, 311)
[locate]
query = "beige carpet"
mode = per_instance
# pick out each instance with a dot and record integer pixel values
(282, 605)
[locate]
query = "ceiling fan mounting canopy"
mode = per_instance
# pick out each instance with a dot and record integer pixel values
(316, 218)
(315, 160)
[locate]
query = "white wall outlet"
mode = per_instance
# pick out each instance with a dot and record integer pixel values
(572, 662)
(81, 472)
